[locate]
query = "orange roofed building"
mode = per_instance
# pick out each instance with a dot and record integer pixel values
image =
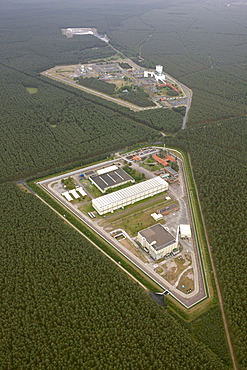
(136, 158)
(170, 158)
(160, 160)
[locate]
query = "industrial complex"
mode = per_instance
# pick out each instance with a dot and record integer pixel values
(126, 76)
(138, 201)
(149, 222)
(70, 32)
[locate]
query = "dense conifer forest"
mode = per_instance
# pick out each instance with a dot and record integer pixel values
(218, 155)
(65, 305)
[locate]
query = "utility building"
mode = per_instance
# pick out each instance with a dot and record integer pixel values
(185, 231)
(121, 198)
(157, 241)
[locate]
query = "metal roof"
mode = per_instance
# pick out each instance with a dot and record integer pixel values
(112, 178)
(170, 170)
(131, 191)
(185, 230)
(157, 236)
(107, 169)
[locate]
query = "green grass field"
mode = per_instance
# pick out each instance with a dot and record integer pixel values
(32, 90)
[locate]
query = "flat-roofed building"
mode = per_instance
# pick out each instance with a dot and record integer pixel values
(185, 231)
(107, 180)
(89, 173)
(171, 171)
(157, 241)
(107, 169)
(121, 198)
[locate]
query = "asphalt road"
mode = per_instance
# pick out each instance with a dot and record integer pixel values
(188, 93)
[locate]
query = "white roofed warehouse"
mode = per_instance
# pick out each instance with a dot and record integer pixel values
(121, 198)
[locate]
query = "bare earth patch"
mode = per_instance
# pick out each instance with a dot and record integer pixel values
(186, 282)
(128, 245)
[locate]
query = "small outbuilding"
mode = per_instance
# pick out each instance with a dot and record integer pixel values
(185, 231)
(156, 216)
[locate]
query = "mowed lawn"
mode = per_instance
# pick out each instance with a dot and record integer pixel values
(137, 221)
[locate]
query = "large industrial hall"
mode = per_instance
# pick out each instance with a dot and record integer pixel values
(121, 198)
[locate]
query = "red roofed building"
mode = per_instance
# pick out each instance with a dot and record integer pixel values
(170, 158)
(173, 88)
(160, 160)
(136, 158)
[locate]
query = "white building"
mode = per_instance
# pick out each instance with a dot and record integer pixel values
(67, 196)
(102, 171)
(74, 193)
(185, 231)
(121, 198)
(158, 241)
(159, 70)
(81, 191)
(157, 216)
(158, 74)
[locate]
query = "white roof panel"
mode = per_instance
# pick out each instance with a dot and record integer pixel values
(185, 230)
(67, 196)
(133, 190)
(107, 169)
(83, 193)
(74, 193)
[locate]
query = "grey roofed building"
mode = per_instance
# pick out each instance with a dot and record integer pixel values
(157, 241)
(89, 173)
(171, 171)
(111, 179)
(159, 235)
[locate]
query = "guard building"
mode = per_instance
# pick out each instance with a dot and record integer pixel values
(185, 231)
(157, 241)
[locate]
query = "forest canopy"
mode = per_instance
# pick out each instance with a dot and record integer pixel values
(64, 305)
